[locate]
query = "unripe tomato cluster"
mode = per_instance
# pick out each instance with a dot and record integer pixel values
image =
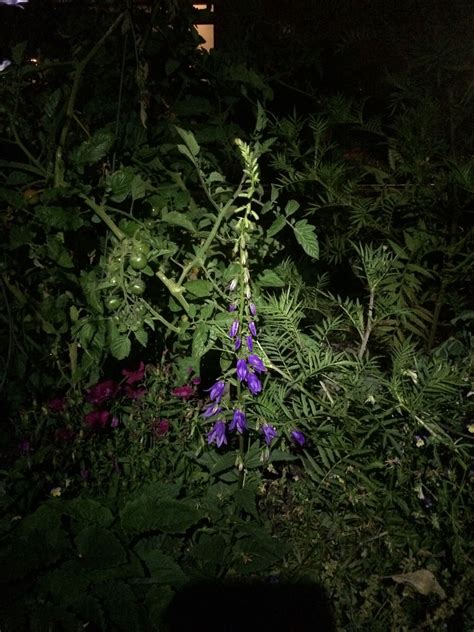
(135, 253)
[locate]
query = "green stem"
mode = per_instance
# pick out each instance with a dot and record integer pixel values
(27, 153)
(161, 318)
(175, 289)
(80, 67)
(101, 212)
(198, 260)
(369, 325)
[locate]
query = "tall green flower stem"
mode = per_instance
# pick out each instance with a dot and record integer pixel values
(70, 114)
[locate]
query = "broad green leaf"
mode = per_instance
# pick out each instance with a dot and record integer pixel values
(120, 347)
(146, 514)
(162, 568)
(178, 219)
(121, 184)
(94, 149)
(142, 336)
(291, 207)
(88, 511)
(199, 340)
(99, 547)
(277, 226)
(306, 236)
(59, 218)
(199, 288)
(268, 278)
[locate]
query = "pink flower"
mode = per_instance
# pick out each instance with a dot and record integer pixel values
(134, 376)
(160, 427)
(102, 391)
(185, 391)
(134, 393)
(97, 419)
(57, 404)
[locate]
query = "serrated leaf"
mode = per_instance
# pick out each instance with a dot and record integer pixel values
(99, 547)
(306, 236)
(120, 347)
(162, 568)
(57, 251)
(189, 141)
(59, 218)
(146, 514)
(94, 149)
(277, 226)
(121, 184)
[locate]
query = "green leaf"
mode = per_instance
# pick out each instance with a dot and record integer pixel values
(121, 605)
(199, 288)
(99, 547)
(189, 141)
(268, 278)
(277, 226)
(57, 251)
(178, 219)
(88, 511)
(59, 218)
(94, 149)
(199, 340)
(291, 207)
(18, 52)
(142, 336)
(162, 568)
(120, 347)
(306, 236)
(148, 514)
(21, 236)
(121, 184)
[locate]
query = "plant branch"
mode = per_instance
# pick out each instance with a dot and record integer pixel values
(101, 212)
(369, 325)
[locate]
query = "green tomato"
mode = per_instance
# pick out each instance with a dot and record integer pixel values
(138, 261)
(141, 248)
(137, 287)
(114, 280)
(113, 303)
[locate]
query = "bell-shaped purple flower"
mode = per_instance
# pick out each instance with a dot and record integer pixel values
(269, 433)
(239, 421)
(253, 309)
(234, 329)
(250, 343)
(242, 370)
(298, 437)
(256, 363)
(254, 384)
(232, 307)
(211, 410)
(237, 343)
(14, 3)
(216, 391)
(217, 434)
(252, 329)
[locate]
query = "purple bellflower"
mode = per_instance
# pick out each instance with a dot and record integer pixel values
(217, 434)
(216, 391)
(211, 410)
(237, 343)
(14, 3)
(298, 437)
(252, 329)
(234, 329)
(232, 307)
(253, 309)
(269, 433)
(242, 370)
(239, 421)
(256, 363)
(254, 384)
(250, 343)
